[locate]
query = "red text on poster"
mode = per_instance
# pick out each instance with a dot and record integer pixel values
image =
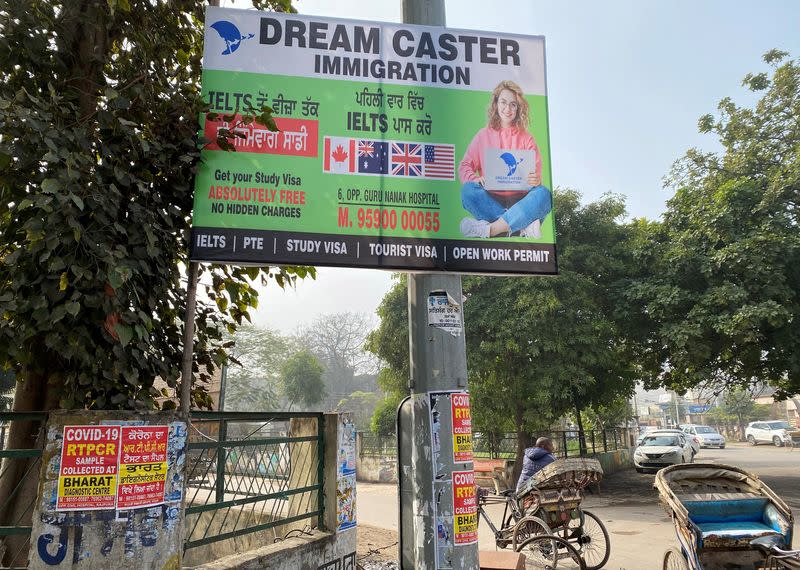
(87, 476)
(142, 466)
(465, 507)
(462, 428)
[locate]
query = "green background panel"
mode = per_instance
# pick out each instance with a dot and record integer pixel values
(456, 114)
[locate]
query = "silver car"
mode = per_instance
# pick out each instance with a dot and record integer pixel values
(708, 436)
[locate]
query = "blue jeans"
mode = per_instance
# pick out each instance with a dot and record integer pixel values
(535, 205)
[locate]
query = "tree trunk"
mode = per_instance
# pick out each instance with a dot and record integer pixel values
(581, 434)
(19, 477)
(523, 441)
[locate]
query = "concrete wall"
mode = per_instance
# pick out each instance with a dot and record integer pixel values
(372, 469)
(320, 551)
(146, 537)
(613, 461)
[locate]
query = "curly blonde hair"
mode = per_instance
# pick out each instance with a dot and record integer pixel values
(522, 120)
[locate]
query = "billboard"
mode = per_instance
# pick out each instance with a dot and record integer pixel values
(398, 147)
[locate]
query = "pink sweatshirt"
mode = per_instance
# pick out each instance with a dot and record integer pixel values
(471, 167)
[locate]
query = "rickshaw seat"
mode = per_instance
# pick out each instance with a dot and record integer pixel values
(735, 529)
(731, 520)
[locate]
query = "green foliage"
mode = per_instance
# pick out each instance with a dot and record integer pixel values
(389, 341)
(301, 380)
(717, 299)
(384, 419)
(361, 406)
(536, 346)
(253, 381)
(612, 414)
(98, 148)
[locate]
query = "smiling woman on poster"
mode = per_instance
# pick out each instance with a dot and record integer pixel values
(507, 130)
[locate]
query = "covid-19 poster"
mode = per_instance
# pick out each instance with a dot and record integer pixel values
(398, 146)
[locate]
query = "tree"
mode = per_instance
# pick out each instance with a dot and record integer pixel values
(301, 380)
(337, 340)
(740, 405)
(389, 343)
(537, 347)
(253, 381)
(361, 405)
(99, 102)
(718, 294)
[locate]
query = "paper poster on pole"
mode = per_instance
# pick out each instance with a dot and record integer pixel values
(462, 427)
(87, 477)
(142, 466)
(465, 508)
(398, 146)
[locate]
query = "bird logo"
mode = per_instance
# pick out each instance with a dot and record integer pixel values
(511, 162)
(229, 34)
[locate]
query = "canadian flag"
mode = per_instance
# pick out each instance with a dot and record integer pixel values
(340, 155)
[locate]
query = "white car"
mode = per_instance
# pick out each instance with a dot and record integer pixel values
(708, 436)
(661, 449)
(692, 440)
(774, 432)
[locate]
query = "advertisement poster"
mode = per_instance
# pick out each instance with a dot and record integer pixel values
(398, 146)
(346, 477)
(462, 428)
(465, 508)
(444, 313)
(142, 466)
(87, 478)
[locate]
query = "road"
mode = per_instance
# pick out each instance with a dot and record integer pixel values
(639, 528)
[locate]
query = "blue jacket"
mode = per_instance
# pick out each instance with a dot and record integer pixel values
(535, 459)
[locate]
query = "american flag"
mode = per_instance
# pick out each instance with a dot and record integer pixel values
(439, 161)
(406, 159)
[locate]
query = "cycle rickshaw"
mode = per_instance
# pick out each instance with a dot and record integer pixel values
(725, 518)
(545, 519)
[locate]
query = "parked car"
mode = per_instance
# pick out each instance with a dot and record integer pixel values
(774, 432)
(708, 436)
(692, 440)
(643, 432)
(662, 448)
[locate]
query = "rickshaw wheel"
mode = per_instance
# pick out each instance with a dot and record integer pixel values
(548, 552)
(589, 536)
(675, 560)
(526, 528)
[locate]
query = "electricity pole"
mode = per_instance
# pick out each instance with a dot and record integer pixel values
(430, 537)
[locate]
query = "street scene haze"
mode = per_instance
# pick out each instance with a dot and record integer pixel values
(407, 284)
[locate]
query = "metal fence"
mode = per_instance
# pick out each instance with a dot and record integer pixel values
(371, 445)
(504, 445)
(246, 473)
(250, 472)
(567, 443)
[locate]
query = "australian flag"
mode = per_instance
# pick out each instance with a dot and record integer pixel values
(373, 157)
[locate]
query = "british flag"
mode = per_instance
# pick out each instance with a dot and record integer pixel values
(366, 148)
(406, 159)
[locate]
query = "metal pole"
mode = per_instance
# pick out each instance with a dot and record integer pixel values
(425, 420)
(188, 337)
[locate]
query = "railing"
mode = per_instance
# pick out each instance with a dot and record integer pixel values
(251, 472)
(371, 445)
(567, 443)
(504, 446)
(245, 473)
(18, 466)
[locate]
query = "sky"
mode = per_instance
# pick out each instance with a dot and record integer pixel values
(627, 82)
